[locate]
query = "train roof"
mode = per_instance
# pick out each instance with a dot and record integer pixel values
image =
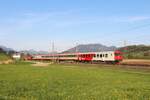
(116, 51)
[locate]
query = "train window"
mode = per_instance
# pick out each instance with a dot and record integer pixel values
(106, 55)
(72, 55)
(91, 55)
(97, 55)
(87, 55)
(101, 55)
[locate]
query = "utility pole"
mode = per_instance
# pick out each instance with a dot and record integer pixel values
(52, 47)
(125, 48)
(125, 43)
(52, 51)
(76, 48)
(76, 52)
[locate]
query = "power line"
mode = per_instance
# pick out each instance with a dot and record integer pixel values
(53, 47)
(76, 47)
(132, 29)
(135, 28)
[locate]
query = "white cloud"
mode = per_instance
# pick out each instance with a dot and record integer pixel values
(139, 18)
(130, 18)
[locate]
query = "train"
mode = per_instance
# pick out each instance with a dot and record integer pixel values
(104, 56)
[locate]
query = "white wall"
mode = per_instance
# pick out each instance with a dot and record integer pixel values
(16, 56)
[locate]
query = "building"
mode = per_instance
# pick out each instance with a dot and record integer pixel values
(16, 56)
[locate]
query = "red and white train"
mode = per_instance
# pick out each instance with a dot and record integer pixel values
(106, 56)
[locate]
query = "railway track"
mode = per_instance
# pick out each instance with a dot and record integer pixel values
(136, 62)
(103, 63)
(122, 64)
(145, 65)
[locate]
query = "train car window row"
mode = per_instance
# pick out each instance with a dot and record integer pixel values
(59, 56)
(86, 55)
(67, 56)
(46, 56)
(101, 55)
(106, 55)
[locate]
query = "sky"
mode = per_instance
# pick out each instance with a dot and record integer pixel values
(36, 24)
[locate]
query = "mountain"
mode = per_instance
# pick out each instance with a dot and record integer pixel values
(6, 49)
(33, 52)
(90, 48)
(10, 51)
(5, 53)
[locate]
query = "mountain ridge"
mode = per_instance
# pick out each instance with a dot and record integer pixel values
(90, 48)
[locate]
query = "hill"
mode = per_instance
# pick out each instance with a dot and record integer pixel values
(6, 49)
(5, 54)
(31, 52)
(4, 57)
(136, 51)
(90, 48)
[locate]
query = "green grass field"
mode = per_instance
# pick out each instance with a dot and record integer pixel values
(72, 82)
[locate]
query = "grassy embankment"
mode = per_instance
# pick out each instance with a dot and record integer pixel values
(72, 82)
(136, 52)
(4, 57)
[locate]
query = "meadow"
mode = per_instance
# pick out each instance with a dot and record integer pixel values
(22, 81)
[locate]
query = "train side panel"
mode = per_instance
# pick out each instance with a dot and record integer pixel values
(104, 56)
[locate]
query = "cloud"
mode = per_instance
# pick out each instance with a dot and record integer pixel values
(130, 18)
(139, 18)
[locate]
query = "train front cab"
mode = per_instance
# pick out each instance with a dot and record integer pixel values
(118, 56)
